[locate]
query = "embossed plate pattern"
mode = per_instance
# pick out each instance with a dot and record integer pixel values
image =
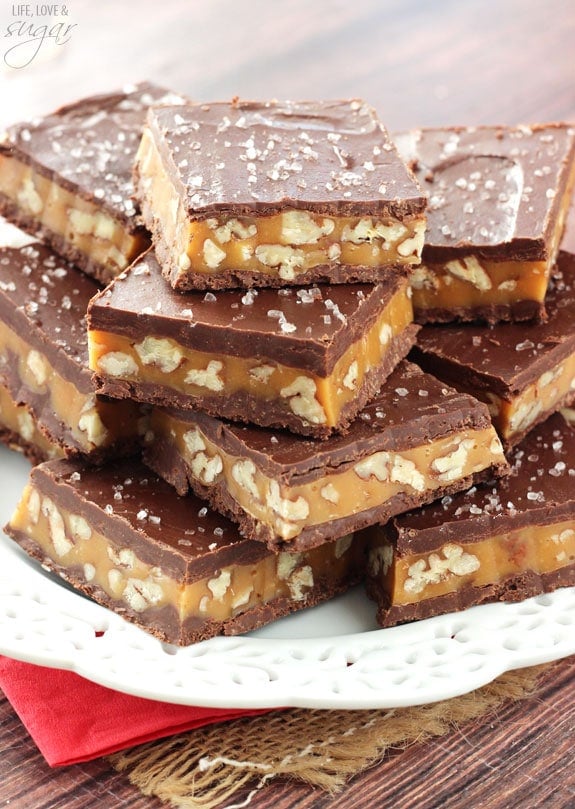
(297, 661)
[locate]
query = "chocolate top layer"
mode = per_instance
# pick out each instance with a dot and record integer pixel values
(539, 490)
(89, 147)
(303, 328)
(44, 299)
(504, 358)
(134, 508)
(411, 409)
(493, 191)
(245, 157)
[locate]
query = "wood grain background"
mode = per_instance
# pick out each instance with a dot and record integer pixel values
(419, 63)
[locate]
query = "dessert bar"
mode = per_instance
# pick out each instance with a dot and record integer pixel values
(416, 441)
(523, 372)
(44, 356)
(276, 193)
(20, 432)
(168, 564)
(67, 178)
(498, 199)
(504, 541)
(307, 359)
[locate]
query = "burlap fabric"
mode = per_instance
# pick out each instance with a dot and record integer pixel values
(205, 769)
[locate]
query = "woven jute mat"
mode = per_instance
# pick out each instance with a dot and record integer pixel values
(204, 769)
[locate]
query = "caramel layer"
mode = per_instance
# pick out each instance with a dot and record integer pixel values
(287, 510)
(314, 399)
(18, 420)
(89, 230)
(91, 422)
(471, 282)
(285, 246)
(513, 417)
(414, 578)
(93, 561)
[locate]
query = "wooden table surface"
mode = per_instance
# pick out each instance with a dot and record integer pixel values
(419, 63)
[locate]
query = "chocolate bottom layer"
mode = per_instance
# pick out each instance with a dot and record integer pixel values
(58, 243)
(16, 442)
(494, 313)
(164, 459)
(515, 588)
(243, 407)
(164, 623)
(61, 436)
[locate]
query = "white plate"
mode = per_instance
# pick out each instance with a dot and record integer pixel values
(331, 656)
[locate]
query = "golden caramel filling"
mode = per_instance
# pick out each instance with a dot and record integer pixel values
(367, 483)
(283, 245)
(69, 541)
(471, 282)
(89, 229)
(314, 399)
(92, 422)
(514, 416)
(413, 578)
(19, 420)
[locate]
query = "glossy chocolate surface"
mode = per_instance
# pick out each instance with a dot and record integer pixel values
(308, 327)
(130, 505)
(245, 157)
(140, 517)
(43, 299)
(89, 146)
(493, 192)
(539, 490)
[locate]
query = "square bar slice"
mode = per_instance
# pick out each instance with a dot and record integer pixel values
(416, 441)
(44, 358)
(168, 564)
(504, 541)
(498, 199)
(305, 359)
(522, 371)
(67, 178)
(277, 193)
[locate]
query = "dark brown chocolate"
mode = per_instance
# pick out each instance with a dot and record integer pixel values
(331, 157)
(181, 535)
(494, 192)
(308, 329)
(302, 328)
(518, 311)
(506, 358)
(513, 589)
(43, 301)
(88, 147)
(181, 538)
(410, 411)
(539, 491)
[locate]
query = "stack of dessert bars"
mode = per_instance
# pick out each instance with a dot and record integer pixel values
(258, 353)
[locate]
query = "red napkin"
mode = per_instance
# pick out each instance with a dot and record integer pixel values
(72, 719)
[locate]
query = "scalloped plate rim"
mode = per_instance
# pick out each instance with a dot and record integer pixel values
(43, 621)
